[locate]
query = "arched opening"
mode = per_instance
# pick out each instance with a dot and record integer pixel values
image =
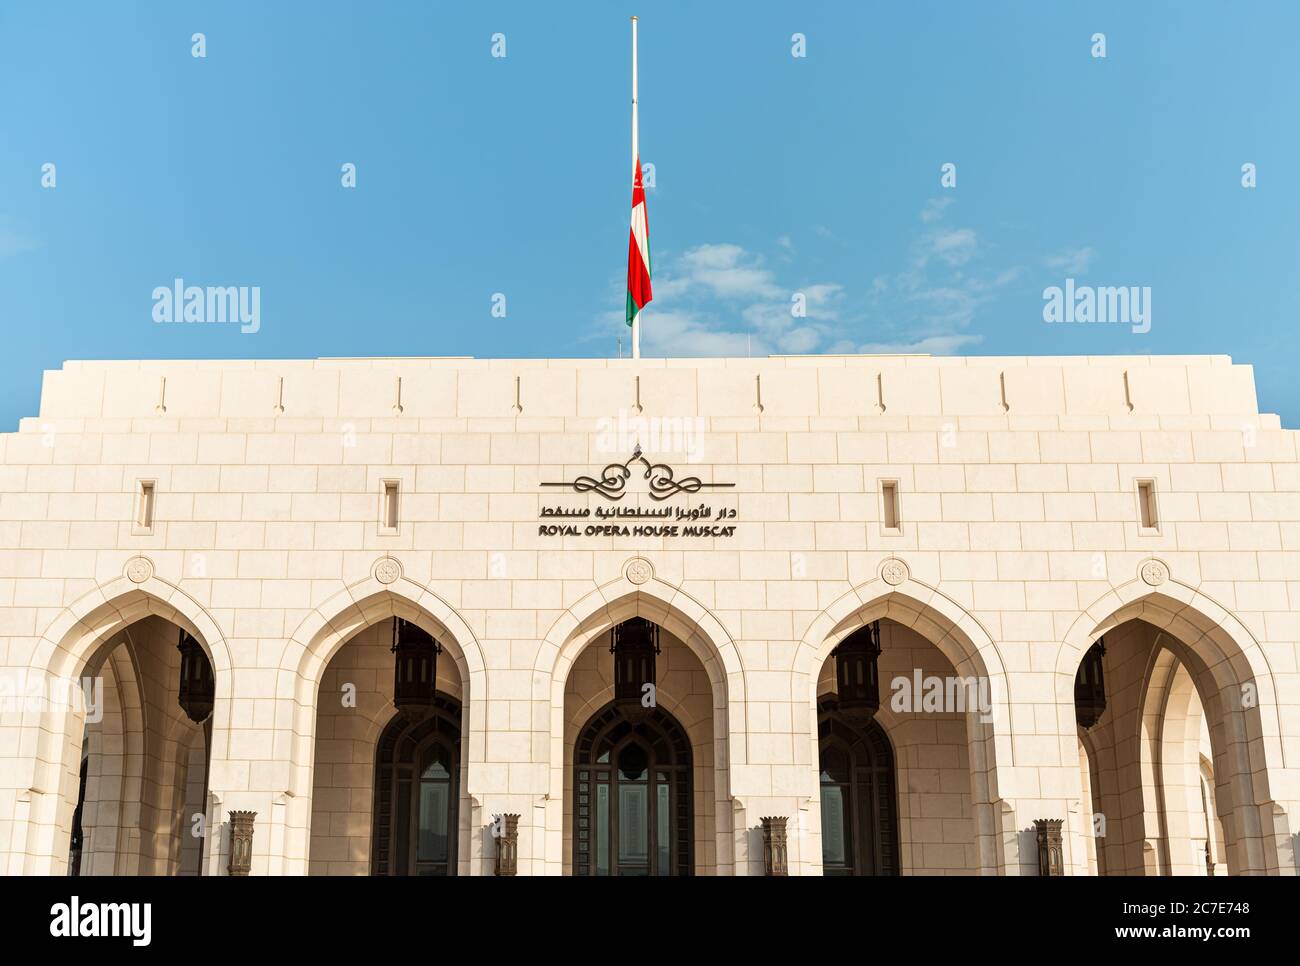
(144, 760)
(632, 811)
(417, 772)
(388, 789)
(681, 778)
(1161, 728)
(897, 789)
(859, 802)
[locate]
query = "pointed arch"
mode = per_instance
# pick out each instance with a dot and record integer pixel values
(970, 649)
(1235, 682)
(695, 626)
(71, 646)
(321, 634)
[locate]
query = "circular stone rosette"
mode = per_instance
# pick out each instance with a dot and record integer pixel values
(1153, 572)
(387, 570)
(138, 569)
(639, 570)
(893, 571)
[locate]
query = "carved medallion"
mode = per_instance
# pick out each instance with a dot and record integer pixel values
(893, 571)
(639, 570)
(387, 570)
(139, 569)
(1154, 572)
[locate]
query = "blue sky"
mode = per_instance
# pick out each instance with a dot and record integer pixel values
(774, 175)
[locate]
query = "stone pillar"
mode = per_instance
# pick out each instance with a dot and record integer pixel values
(1051, 859)
(774, 846)
(241, 843)
(506, 832)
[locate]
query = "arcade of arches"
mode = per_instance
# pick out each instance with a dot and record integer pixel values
(1159, 748)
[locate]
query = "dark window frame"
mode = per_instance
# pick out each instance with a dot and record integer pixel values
(870, 793)
(607, 735)
(402, 747)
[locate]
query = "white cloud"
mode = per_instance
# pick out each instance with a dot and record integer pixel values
(934, 209)
(1071, 261)
(956, 247)
(723, 300)
(939, 345)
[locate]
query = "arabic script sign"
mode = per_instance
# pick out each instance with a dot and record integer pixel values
(612, 483)
(636, 521)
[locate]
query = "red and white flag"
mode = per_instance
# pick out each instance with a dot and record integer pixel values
(638, 251)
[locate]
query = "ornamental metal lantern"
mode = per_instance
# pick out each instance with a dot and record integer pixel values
(198, 685)
(241, 843)
(634, 644)
(1090, 687)
(415, 667)
(1047, 836)
(856, 674)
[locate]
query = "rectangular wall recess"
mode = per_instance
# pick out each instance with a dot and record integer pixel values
(1148, 513)
(144, 503)
(890, 518)
(388, 507)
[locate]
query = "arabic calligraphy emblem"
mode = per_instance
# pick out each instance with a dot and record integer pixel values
(612, 483)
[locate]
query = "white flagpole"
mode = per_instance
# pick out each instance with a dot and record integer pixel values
(636, 319)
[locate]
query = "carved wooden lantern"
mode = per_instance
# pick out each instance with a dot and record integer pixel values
(415, 668)
(241, 843)
(1090, 687)
(1050, 860)
(634, 644)
(507, 836)
(774, 846)
(856, 674)
(198, 686)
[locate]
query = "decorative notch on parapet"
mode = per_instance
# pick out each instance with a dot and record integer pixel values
(636, 397)
(880, 392)
(518, 407)
(1128, 395)
(397, 400)
(161, 408)
(758, 394)
(612, 484)
(1002, 385)
(279, 397)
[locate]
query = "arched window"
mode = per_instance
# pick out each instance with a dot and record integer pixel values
(417, 773)
(632, 810)
(859, 814)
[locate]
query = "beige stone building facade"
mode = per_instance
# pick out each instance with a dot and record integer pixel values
(1082, 575)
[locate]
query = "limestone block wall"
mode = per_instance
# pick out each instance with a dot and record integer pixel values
(1019, 541)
